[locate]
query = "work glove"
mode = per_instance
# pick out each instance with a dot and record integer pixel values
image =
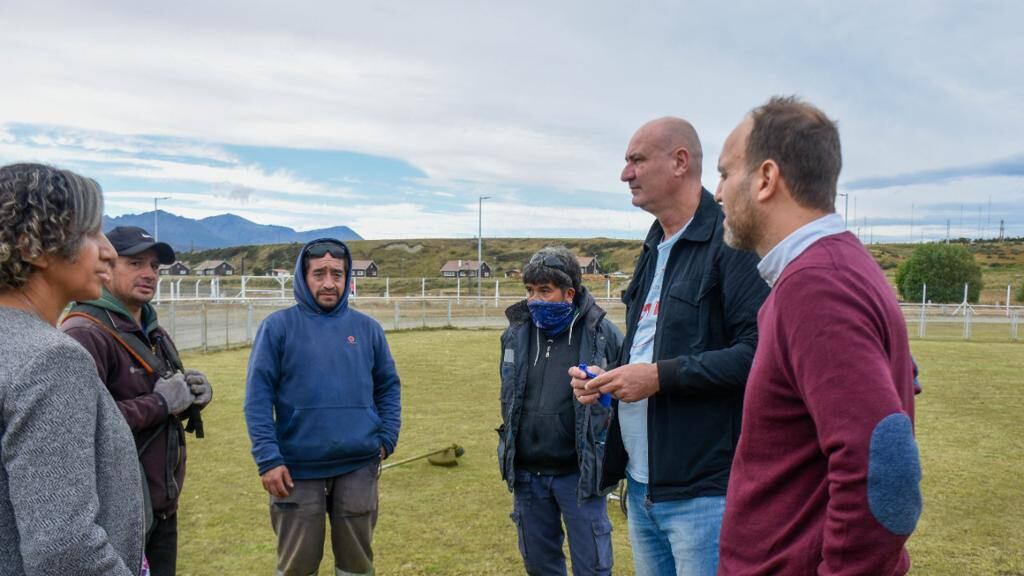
(200, 387)
(175, 393)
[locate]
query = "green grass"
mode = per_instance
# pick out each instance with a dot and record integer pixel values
(456, 520)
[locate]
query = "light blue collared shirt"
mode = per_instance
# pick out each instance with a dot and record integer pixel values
(776, 260)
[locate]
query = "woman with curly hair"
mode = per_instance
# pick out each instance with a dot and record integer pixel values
(70, 491)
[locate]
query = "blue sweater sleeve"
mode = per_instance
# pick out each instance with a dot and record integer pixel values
(260, 395)
(387, 395)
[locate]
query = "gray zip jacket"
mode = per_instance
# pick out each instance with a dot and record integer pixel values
(70, 486)
(599, 346)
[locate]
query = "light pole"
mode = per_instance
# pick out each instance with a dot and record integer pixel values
(156, 216)
(480, 244)
(846, 207)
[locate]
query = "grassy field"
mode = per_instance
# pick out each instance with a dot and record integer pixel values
(456, 520)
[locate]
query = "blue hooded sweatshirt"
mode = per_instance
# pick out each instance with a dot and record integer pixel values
(322, 395)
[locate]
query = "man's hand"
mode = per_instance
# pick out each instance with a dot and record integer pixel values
(383, 452)
(277, 481)
(175, 393)
(629, 383)
(579, 385)
(200, 387)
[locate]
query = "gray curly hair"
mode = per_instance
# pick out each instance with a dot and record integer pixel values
(43, 210)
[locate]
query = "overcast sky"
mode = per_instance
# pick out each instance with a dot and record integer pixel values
(393, 118)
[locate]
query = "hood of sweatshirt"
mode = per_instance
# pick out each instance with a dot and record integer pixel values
(306, 299)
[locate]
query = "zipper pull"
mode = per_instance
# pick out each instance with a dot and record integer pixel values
(547, 352)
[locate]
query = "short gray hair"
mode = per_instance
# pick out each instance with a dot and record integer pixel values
(43, 210)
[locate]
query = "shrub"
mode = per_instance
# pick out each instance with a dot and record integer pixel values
(944, 268)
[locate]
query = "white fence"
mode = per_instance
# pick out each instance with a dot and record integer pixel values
(205, 324)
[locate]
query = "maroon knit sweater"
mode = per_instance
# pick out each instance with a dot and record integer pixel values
(826, 474)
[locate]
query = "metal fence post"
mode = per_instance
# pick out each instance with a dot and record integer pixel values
(202, 315)
(396, 316)
(173, 322)
(423, 313)
(967, 323)
(227, 325)
(248, 324)
(449, 312)
(497, 285)
(924, 303)
(1014, 326)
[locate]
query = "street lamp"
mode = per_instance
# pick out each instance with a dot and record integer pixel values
(846, 208)
(480, 245)
(156, 216)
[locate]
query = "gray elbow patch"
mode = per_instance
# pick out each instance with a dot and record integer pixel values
(894, 475)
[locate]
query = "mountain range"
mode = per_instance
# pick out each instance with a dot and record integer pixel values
(221, 231)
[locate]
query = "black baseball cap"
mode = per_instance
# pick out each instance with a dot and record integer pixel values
(132, 240)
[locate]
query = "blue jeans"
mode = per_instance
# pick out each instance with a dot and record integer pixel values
(540, 504)
(674, 538)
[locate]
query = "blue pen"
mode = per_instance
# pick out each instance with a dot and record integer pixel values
(606, 399)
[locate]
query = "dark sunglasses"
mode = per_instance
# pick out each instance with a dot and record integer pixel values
(321, 249)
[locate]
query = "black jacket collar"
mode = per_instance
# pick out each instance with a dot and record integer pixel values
(700, 229)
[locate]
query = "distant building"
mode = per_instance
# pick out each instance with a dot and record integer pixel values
(466, 269)
(214, 268)
(366, 268)
(280, 272)
(178, 268)
(589, 265)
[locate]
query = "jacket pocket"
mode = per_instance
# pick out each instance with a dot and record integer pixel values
(327, 433)
(687, 290)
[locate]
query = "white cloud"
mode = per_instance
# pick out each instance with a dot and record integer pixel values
(505, 95)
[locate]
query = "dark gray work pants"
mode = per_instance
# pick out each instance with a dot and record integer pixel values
(349, 500)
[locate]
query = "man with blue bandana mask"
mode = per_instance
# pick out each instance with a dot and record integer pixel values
(550, 446)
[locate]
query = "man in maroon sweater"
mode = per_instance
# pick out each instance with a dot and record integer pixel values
(826, 474)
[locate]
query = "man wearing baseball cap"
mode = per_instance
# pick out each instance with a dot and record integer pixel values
(140, 365)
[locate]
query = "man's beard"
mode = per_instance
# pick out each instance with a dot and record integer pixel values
(741, 225)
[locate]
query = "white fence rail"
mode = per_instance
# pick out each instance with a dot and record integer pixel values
(207, 323)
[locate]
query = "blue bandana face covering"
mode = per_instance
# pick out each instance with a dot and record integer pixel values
(551, 317)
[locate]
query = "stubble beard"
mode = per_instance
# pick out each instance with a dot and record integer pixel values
(741, 227)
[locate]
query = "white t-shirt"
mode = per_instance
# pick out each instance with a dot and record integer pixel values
(633, 415)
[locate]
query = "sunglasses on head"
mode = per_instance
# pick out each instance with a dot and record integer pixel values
(551, 262)
(321, 249)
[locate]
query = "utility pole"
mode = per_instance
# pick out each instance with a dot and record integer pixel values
(480, 244)
(156, 216)
(911, 222)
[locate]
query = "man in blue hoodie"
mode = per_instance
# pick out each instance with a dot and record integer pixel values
(323, 408)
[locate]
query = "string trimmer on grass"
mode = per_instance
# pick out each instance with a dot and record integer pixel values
(447, 456)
